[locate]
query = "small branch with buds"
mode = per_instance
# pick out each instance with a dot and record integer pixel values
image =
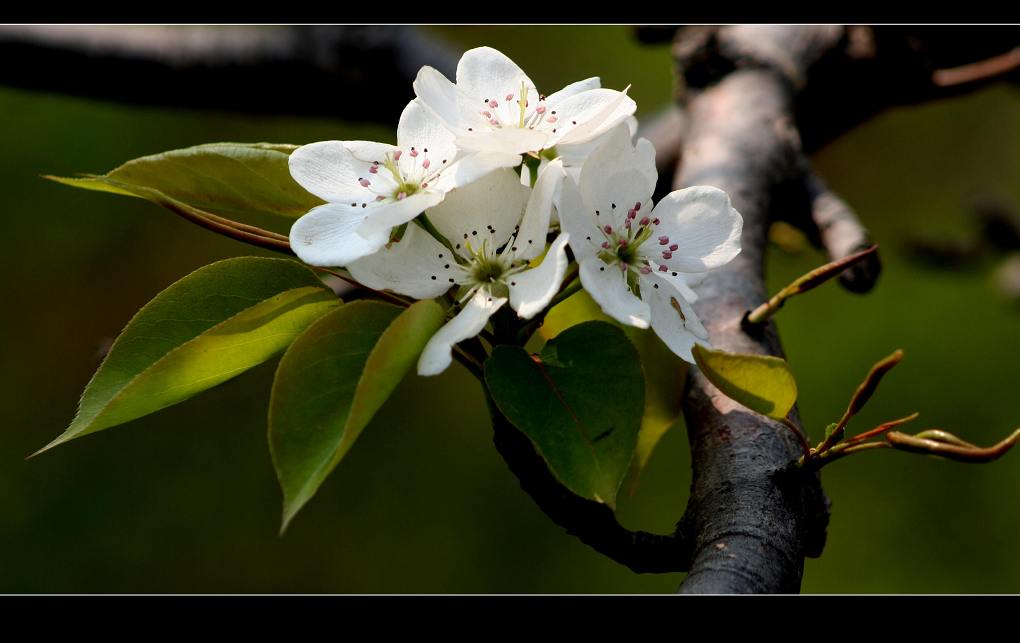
(937, 442)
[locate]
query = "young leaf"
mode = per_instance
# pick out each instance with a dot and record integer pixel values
(664, 375)
(228, 179)
(580, 401)
(210, 326)
(762, 383)
(330, 383)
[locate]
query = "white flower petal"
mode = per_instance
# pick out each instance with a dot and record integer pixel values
(331, 172)
(507, 140)
(389, 214)
(555, 98)
(532, 290)
(632, 125)
(614, 154)
(535, 224)
(608, 287)
(487, 74)
(472, 167)
(577, 221)
(369, 151)
(417, 266)
(422, 135)
(574, 155)
(439, 95)
(329, 235)
(685, 282)
(488, 209)
(584, 116)
(701, 221)
(612, 193)
(673, 318)
(470, 321)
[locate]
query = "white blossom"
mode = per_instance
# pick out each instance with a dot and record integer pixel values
(372, 187)
(487, 259)
(495, 107)
(639, 262)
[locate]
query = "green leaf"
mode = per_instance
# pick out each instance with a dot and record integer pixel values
(762, 383)
(579, 401)
(330, 383)
(228, 179)
(210, 326)
(664, 375)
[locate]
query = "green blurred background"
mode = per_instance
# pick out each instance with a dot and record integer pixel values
(186, 500)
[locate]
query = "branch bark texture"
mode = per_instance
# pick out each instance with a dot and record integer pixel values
(752, 91)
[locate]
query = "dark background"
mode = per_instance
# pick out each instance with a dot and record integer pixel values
(185, 500)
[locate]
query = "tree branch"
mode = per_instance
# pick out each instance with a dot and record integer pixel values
(592, 522)
(754, 92)
(345, 72)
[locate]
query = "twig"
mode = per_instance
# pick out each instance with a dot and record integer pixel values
(980, 71)
(806, 282)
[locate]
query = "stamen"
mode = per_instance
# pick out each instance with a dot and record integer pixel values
(645, 270)
(396, 155)
(637, 205)
(663, 268)
(644, 221)
(667, 255)
(608, 229)
(414, 152)
(674, 247)
(663, 240)
(540, 109)
(426, 163)
(493, 104)
(364, 182)
(374, 169)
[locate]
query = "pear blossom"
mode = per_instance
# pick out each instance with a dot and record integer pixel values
(481, 252)
(372, 187)
(495, 107)
(639, 262)
(617, 149)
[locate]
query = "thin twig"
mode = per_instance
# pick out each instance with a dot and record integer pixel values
(980, 71)
(806, 282)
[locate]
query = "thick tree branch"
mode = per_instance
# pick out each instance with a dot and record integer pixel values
(592, 522)
(754, 94)
(344, 72)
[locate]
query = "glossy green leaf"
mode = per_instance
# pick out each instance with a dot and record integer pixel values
(210, 326)
(579, 401)
(330, 383)
(228, 179)
(762, 383)
(664, 375)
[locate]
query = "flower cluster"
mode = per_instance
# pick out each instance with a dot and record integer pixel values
(452, 208)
